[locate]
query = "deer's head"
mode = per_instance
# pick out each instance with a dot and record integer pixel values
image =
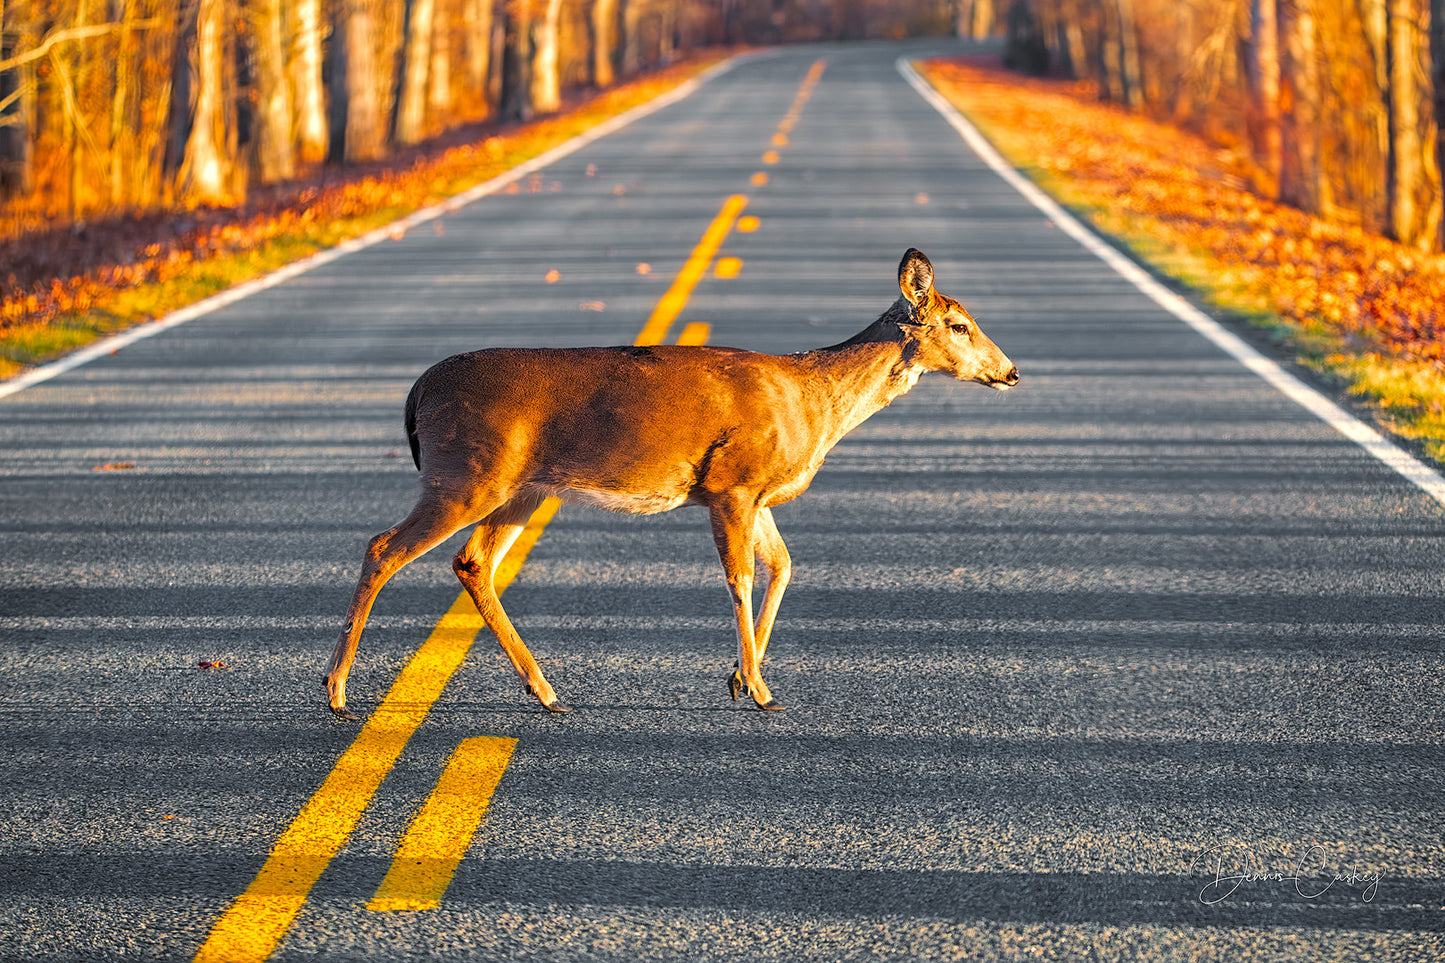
(942, 334)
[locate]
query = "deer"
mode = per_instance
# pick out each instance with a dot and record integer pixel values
(643, 430)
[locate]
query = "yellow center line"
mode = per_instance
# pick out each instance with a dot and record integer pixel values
(440, 834)
(671, 305)
(252, 926)
(695, 333)
(250, 929)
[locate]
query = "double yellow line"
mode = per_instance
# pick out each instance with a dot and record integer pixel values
(439, 835)
(250, 929)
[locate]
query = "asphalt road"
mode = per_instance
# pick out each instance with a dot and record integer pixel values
(1137, 661)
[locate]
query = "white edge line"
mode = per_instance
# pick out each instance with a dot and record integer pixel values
(116, 342)
(1420, 475)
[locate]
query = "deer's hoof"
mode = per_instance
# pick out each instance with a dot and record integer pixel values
(559, 708)
(735, 684)
(336, 701)
(772, 705)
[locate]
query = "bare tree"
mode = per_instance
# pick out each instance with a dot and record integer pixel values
(630, 43)
(516, 96)
(120, 121)
(304, 64)
(1437, 81)
(1415, 195)
(365, 122)
(546, 82)
(1263, 120)
(1130, 74)
(477, 22)
(440, 100)
(1301, 181)
(17, 100)
(411, 122)
(209, 173)
(974, 19)
(604, 42)
(275, 118)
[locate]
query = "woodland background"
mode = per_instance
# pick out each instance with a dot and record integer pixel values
(114, 107)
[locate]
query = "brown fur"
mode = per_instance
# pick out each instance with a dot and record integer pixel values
(646, 430)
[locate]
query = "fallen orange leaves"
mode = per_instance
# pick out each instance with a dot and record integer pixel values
(1368, 291)
(68, 271)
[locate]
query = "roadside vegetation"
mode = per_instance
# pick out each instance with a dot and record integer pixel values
(153, 152)
(136, 269)
(1351, 305)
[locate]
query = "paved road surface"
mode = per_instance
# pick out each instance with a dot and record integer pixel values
(1095, 666)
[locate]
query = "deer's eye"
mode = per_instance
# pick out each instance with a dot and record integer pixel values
(959, 327)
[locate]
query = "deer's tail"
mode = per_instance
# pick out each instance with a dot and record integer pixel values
(411, 402)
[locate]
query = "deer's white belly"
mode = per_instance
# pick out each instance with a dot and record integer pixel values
(631, 503)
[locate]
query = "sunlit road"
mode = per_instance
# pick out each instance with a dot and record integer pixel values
(1137, 661)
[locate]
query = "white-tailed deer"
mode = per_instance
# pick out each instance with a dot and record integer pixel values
(645, 430)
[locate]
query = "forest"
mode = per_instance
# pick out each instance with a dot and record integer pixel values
(1335, 104)
(109, 106)
(116, 106)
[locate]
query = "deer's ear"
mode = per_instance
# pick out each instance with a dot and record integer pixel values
(915, 276)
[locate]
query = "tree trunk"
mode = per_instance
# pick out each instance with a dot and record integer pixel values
(631, 37)
(1111, 79)
(17, 88)
(477, 49)
(1263, 121)
(1073, 39)
(1189, 68)
(1301, 182)
(981, 16)
(209, 174)
(178, 127)
(305, 67)
(156, 72)
(121, 145)
(389, 40)
(604, 42)
(365, 125)
(546, 82)
(517, 61)
(72, 71)
(440, 102)
(1415, 196)
(497, 67)
(1131, 74)
(1437, 86)
(666, 31)
(275, 154)
(411, 124)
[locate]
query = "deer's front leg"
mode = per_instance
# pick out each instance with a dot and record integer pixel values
(733, 520)
(768, 548)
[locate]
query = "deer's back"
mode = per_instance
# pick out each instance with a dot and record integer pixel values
(633, 428)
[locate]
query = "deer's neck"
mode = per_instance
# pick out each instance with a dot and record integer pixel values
(857, 379)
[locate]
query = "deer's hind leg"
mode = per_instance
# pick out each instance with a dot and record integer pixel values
(435, 518)
(476, 568)
(773, 555)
